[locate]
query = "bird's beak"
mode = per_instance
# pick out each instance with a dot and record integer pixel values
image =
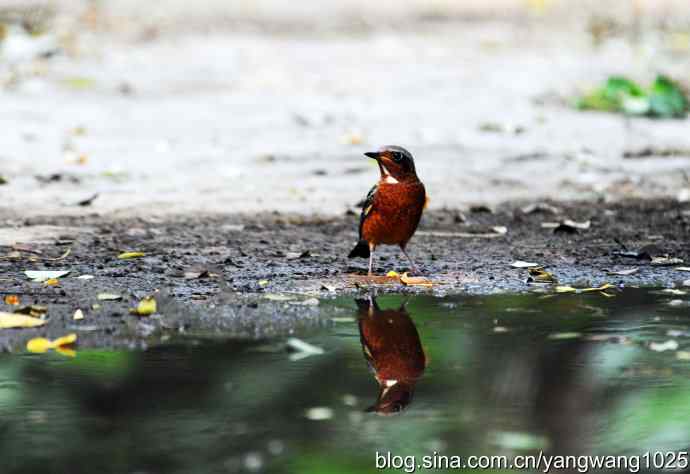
(373, 154)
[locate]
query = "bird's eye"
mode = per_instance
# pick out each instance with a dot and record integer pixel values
(397, 157)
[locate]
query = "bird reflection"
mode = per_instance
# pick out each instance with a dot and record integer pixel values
(392, 348)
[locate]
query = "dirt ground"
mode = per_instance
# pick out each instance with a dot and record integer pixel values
(253, 277)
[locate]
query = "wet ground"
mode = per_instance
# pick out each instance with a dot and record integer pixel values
(465, 375)
(259, 276)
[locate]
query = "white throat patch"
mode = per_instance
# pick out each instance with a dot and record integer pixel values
(388, 179)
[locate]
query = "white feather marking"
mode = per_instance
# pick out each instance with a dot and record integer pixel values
(389, 178)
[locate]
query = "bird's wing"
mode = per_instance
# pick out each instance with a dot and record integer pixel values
(366, 208)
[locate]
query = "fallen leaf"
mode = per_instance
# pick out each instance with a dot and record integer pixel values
(628, 271)
(665, 261)
(567, 226)
(393, 274)
(263, 283)
(522, 264)
(85, 277)
(570, 289)
(146, 307)
(12, 300)
(51, 282)
(130, 255)
(32, 310)
(540, 207)
(78, 315)
(10, 321)
(108, 297)
(43, 275)
(415, 281)
(298, 255)
(40, 345)
(539, 275)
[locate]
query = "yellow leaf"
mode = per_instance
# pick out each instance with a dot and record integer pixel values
(392, 274)
(605, 286)
(415, 281)
(128, 255)
(263, 282)
(565, 289)
(540, 275)
(146, 307)
(9, 320)
(51, 282)
(40, 345)
(12, 300)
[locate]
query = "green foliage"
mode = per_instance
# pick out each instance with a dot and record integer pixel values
(663, 99)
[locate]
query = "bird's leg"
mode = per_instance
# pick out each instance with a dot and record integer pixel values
(412, 265)
(371, 259)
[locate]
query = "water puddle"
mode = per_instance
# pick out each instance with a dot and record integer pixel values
(457, 376)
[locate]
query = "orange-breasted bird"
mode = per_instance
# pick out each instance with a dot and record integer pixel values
(394, 352)
(393, 207)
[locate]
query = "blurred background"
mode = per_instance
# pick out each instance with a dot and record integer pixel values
(165, 107)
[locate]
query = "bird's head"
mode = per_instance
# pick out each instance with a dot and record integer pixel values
(395, 163)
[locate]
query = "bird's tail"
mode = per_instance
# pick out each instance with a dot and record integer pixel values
(360, 250)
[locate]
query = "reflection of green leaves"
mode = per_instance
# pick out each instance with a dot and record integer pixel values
(103, 363)
(663, 99)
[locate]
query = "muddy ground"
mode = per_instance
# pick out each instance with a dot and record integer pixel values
(228, 275)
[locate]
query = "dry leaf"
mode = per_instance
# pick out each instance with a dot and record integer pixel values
(12, 300)
(415, 281)
(40, 345)
(43, 275)
(51, 282)
(570, 289)
(10, 321)
(109, 297)
(539, 275)
(34, 310)
(665, 261)
(130, 255)
(393, 274)
(146, 307)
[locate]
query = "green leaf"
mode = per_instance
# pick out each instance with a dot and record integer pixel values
(666, 99)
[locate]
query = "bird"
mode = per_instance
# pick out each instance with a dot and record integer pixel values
(393, 351)
(392, 209)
